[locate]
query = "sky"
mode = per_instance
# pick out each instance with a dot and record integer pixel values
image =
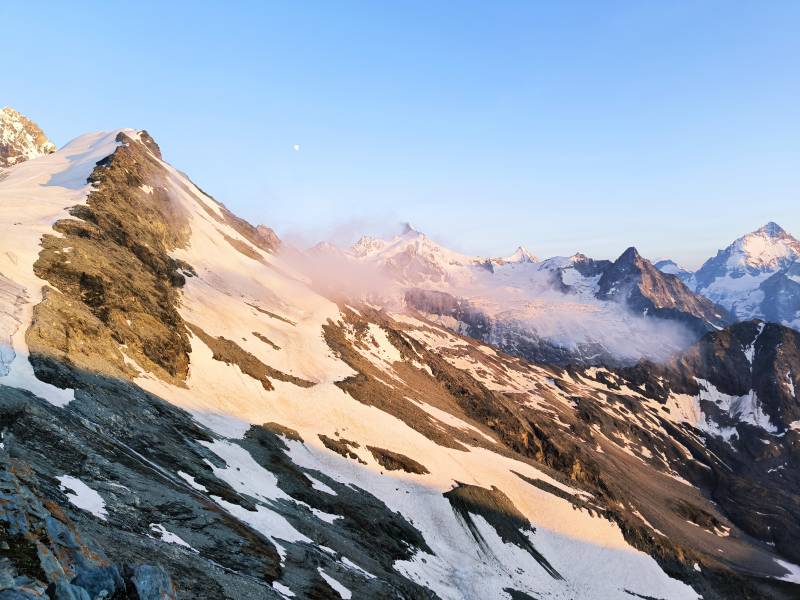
(562, 126)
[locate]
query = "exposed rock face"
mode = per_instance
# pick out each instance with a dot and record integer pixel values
(781, 303)
(267, 238)
(754, 361)
(394, 461)
(743, 381)
(21, 139)
(43, 555)
(115, 282)
(498, 510)
(645, 289)
(230, 352)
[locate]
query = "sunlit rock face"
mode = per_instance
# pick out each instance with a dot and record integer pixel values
(21, 139)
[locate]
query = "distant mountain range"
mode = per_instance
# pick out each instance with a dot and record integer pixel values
(192, 409)
(535, 308)
(559, 310)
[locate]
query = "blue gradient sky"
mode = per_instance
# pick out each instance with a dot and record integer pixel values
(672, 126)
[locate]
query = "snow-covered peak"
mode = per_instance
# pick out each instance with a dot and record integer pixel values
(765, 249)
(21, 139)
(367, 245)
(560, 262)
(733, 278)
(771, 229)
(669, 266)
(520, 255)
(409, 242)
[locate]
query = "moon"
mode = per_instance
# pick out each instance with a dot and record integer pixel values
(296, 147)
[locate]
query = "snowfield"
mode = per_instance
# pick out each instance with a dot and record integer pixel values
(34, 195)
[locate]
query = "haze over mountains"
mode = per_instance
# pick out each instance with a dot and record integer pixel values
(190, 408)
(576, 309)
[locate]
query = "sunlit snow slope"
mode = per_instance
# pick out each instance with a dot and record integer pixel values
(218, 416)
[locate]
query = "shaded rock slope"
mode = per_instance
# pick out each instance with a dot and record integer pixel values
(182, 415)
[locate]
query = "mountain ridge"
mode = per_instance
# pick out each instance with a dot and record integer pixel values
(181, 398)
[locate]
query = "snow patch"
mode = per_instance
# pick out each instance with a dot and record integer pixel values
(170, 538)
(191, 481)
(745, 409)
(338, 587)
(82, 496)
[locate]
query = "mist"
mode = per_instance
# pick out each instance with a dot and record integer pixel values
(512, 308)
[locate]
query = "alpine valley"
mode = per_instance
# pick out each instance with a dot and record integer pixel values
(191, 408)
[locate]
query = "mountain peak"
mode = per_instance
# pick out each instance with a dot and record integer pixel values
(772, 230)
(735, 274)
(768, 248)
(630, 256)
(21, 139)
(408, 229)
(522, 254)
(366, 245)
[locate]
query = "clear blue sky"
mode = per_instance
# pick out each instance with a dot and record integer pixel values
(672, 126)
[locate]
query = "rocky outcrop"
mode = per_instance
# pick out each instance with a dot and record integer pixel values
(43, 555)
(646, 290)
(394, 461)
(114, 281)
(781, 302)
(498, 510)
(230, 352)
(21, 139)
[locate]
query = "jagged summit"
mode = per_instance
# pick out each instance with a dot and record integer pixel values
(21, 139)
(520, 255)
(630, 256)
(650, 291)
